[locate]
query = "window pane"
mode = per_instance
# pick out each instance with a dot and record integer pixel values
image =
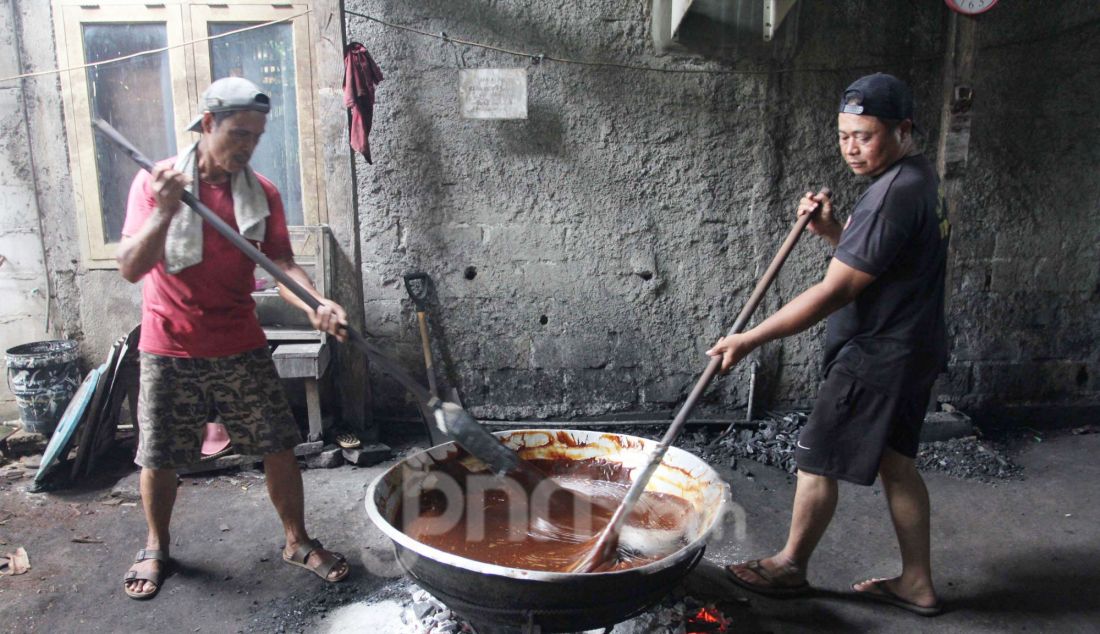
(266, 57)
(135, 96)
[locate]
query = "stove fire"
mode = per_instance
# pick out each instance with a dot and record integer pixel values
(678, 613)
(707, 619)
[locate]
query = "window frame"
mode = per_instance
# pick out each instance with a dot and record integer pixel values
(185, 21)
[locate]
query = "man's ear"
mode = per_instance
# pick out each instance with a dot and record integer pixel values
(904, 130)
(207, 122)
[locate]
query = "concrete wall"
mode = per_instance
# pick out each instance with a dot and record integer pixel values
(23, 287)
(1026, 313)
(616, 232)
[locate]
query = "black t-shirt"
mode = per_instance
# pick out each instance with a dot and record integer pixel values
(893, 335)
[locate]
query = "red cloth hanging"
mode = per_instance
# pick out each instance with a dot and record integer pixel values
(361, 75)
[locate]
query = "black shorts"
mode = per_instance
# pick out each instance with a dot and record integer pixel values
(851, 426)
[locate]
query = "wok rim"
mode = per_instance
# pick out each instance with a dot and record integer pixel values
(423, 550)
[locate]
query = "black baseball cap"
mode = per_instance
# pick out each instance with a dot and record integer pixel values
(879, 95)
(229, 94)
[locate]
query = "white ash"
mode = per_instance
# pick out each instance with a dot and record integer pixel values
(427, 615)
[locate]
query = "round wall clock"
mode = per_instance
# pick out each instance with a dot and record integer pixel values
(971, 7)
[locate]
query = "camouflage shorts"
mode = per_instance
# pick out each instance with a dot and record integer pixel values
(180, 395)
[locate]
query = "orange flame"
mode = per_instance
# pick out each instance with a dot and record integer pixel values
(707, 619)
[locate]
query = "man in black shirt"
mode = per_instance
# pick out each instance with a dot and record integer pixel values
(885, 344)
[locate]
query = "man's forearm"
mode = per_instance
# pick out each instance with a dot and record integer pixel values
(139, 253)
(328, 317)
(814, 304)
(296, 273)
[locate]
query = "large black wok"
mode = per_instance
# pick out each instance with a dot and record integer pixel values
(554, 601)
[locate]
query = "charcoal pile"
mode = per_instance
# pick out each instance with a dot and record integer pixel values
(679, 614)
(968, 458)
(771, 441)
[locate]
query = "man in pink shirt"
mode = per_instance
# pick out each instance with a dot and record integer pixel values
(203, 352)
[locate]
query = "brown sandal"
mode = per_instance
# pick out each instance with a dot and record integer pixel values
(329, 560)
(156, 577)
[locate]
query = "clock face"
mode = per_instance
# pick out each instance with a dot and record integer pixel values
(971, 7)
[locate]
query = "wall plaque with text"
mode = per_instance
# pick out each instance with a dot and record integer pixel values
(493, 93)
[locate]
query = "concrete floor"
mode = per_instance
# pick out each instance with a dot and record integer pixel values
(1012, 557)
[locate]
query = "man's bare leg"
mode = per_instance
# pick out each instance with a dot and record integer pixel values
(910, 512)
(158, 496)
(284, 486)
(815, 500)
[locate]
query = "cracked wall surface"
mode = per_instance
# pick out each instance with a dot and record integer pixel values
(1026, 309)
(616, 232)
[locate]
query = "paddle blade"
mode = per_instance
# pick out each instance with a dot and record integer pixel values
(601, 556)
(467, 432)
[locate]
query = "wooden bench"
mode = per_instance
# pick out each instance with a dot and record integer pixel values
(299, 351)
(306, 361)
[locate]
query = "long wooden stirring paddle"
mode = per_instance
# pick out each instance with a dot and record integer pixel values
(606, 543)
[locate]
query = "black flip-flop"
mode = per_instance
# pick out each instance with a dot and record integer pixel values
(882, 594)
(769, 590)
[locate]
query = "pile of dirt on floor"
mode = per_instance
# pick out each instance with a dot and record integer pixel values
(302, 611)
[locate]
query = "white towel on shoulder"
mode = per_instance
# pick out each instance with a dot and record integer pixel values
(183, 244)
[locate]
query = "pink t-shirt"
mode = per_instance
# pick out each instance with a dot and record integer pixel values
(205, 310)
